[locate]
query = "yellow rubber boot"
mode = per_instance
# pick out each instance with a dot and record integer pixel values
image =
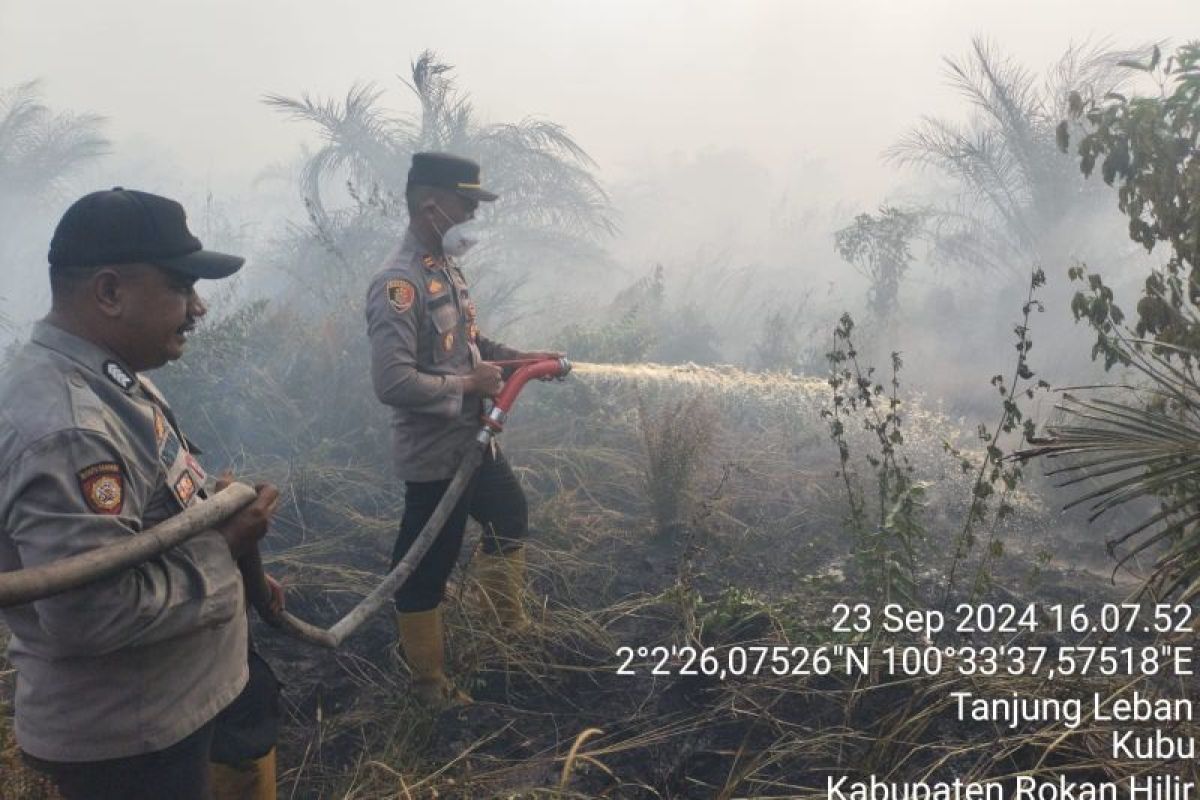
(502, 584)
(249, 780)
(422, 640)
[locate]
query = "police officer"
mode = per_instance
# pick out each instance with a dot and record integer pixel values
(118, 682)
(429, 362)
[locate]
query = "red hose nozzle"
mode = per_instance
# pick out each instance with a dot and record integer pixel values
(540, 369)
(543, 369)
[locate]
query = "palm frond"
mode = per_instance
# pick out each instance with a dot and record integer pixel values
(362, 142)
(1141, 446)
(1094, 66)
(40, 149)
(1003, 91)
(20, 112)
(553, 213)
(1004, 160)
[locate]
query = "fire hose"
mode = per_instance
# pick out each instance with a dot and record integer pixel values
(27, 585)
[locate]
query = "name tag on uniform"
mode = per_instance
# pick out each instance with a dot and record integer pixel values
(185, 476)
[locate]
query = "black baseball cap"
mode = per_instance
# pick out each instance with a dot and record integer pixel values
(446, 171)
(125, 226)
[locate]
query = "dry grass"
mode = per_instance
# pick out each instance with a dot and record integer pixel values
(17, 782)
(762, 564)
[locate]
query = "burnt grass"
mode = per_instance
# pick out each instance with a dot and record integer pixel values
(352, 732)
(759, 559)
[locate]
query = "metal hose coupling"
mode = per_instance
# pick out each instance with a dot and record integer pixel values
(493, 423)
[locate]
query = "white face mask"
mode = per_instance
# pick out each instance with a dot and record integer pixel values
(459, 237)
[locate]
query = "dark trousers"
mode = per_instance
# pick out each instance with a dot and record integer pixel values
(248, 728)
(179, 772)
(494, 499)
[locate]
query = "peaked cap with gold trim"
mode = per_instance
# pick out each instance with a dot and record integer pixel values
(446, 171)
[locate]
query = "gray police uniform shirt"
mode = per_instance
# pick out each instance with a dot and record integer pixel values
(424, 340)
(90, 455)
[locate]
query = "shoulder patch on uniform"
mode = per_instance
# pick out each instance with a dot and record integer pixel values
(117, 374)
(103, 487)
(401, 295)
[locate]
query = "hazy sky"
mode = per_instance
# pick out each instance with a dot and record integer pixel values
(785, 80)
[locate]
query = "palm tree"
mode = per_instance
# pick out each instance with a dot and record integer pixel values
(40, 151)
(1011, 185)
(553, 208)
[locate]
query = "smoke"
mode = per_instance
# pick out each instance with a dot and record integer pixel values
(731, 207)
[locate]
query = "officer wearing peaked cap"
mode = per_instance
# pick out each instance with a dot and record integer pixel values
(118, 682)
(430, 364)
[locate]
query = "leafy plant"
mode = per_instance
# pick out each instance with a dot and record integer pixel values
(877, 246)
(1143, 443)
(1147, 147)
(887, 530)
(887, 526)
(997, 471)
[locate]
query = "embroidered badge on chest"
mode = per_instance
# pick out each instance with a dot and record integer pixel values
(160, 428)
(117, 374)
(401, 295)
(184, 488)
(436, 286)
(448, 341)
(170, 450)
(103, 487)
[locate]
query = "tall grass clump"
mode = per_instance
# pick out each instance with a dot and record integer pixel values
(676, 438)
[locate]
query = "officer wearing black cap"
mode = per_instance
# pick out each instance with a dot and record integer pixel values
(125, 226)
(118, 682)
(430, 363)
(453, 173)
